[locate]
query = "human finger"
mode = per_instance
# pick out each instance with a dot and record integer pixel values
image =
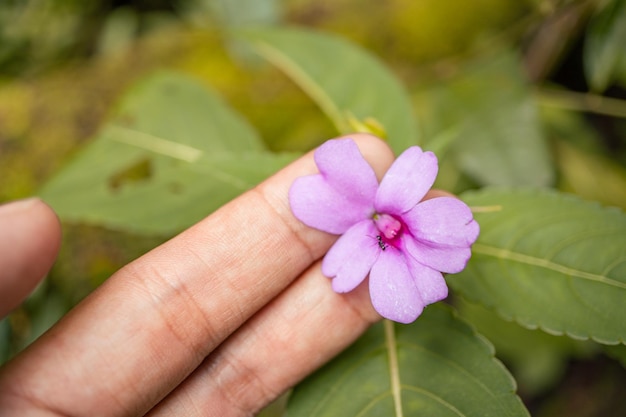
(30, 237)
(152, 323)
(297, 332)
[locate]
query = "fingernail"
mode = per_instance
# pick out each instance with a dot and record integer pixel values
(18, 205)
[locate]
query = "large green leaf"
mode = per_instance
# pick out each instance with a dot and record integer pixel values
(437, 366)
(346, 82)
(604, 51)
(551, 261)
(173, 153)
(537, 360)
(488, 105)
(181, 110)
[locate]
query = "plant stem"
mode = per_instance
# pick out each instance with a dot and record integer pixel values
(394, 372)
(586, 102)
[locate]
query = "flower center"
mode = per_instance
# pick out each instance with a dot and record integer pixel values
(388, 226)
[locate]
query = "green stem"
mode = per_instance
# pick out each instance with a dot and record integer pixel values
(586, 102)
(394, 372)
(306, 82)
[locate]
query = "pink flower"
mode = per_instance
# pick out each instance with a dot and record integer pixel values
(403, 243)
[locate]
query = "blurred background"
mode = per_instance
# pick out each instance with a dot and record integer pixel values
(64, 64)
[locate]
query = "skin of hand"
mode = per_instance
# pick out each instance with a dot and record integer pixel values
(218, 321)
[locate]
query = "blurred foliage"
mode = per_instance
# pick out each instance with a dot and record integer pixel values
(500, 141)
(523, 71)
(42, 32)
(605, 55)
(160, 164)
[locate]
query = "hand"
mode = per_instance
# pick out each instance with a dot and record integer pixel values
(217, 321)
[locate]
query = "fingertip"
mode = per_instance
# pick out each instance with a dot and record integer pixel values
(30, 239)
(47, 226)
(375, 150)
(435, 193)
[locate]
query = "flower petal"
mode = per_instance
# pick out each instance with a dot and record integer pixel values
(341, 195)
(430, 283)
(350, 259)
(392, 288)
(407, 181)
(317, 204)
(341, 163)
(449, 259)
(445, 220)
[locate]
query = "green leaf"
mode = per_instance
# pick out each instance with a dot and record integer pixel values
(498, 140)
(437, 366)
(173, 153)
(181, 111)
(549, 260)
(604, 55)
(343, 79)
(537, 360)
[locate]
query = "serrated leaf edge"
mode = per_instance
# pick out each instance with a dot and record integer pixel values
(490, 348)
(552, 194)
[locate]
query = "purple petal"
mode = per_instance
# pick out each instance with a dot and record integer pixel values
(449, 259)
(430, 283)
(341, 195)
(317, 204)
(444, 220)
(392, 288)
(341, 163)
(350, 259)
(407, 181)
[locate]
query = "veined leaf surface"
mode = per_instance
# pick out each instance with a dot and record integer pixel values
(549, 260)
(344, 80)
(437, 366)
(173, 153)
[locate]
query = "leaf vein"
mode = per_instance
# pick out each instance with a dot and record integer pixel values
(155, 144)
(338, 383)
(372, 403)
(614, 265)
(281, 60)
(582, 236)
(505, 254)
(453, 364)
(434, 397)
